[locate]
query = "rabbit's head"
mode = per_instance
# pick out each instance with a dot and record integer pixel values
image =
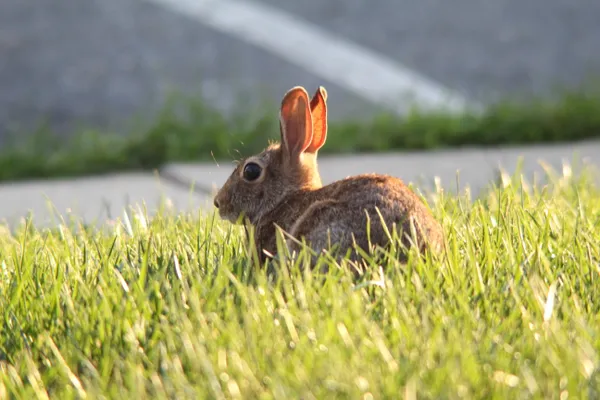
(259, 182)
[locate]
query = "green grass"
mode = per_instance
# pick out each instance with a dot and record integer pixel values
(171, 306)
(189, 130)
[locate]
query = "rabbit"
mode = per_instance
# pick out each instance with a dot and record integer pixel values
(281, 188)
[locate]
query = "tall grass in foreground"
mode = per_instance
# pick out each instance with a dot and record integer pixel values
(164, 307)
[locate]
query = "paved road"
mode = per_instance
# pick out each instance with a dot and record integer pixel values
(101, 62)
(486, 48)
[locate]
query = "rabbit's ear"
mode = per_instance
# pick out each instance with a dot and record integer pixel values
(295, 122)
(318, 107)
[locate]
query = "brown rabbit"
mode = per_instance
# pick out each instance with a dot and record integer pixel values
(282, 187)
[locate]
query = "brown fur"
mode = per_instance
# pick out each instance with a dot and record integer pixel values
(289, 193)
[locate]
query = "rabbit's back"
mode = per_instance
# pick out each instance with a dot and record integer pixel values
(338, 213)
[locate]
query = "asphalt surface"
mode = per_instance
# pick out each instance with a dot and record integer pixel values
(485, 48)
(103, 62)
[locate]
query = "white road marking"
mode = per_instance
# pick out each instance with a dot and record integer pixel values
(355, 68)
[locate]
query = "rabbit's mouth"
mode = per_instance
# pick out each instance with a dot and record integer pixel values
(231, 216)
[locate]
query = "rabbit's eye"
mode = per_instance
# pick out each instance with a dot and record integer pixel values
(252, 171)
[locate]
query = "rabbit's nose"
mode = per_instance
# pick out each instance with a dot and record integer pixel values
(216, 202)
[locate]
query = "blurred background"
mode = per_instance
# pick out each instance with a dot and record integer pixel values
(98, 69)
